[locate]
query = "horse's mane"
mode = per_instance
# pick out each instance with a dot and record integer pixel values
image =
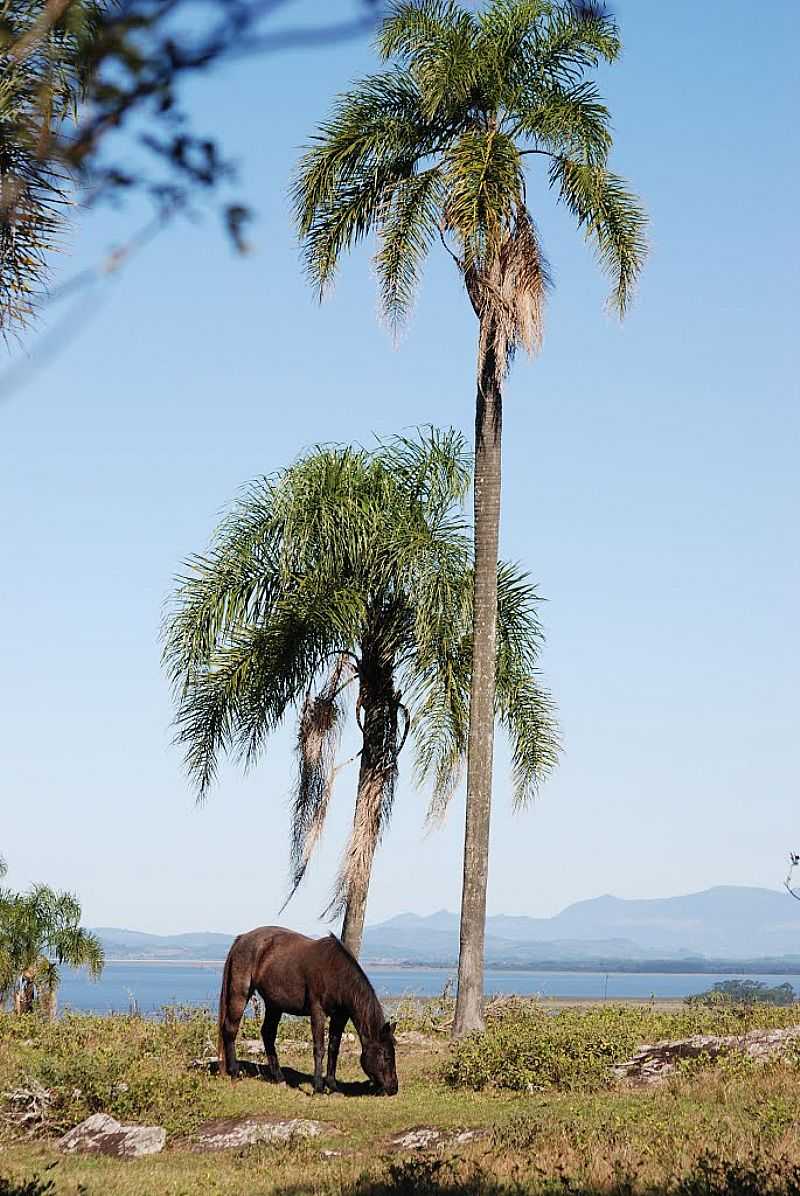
(367, 1005)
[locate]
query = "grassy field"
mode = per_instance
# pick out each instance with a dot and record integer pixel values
(539, 1087)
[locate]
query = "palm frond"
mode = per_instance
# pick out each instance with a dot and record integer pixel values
(483, 179)
(506, 27)
(419, 27)
(513, 292)
(612, 218)
(376, 129)
(406, 230)
(435, 39)
(573, 38)
(318, 737)
(432, 469)
(39, 90)
(571, 121)
(33, 203)
(524, 709)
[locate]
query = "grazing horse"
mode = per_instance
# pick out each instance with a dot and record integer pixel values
(314, 978)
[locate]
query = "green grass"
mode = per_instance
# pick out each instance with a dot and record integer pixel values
(577, 1131)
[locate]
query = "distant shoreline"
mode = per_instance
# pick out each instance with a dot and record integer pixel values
(660, 967)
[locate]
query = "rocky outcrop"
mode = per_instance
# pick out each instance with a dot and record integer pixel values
(227, 1133)
(101, 1134)
(656, 1062)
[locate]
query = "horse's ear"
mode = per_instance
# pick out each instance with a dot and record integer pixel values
(389, 1029)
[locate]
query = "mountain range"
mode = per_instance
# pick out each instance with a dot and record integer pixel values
(727, 922)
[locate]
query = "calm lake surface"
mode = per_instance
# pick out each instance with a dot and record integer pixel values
(151, 985)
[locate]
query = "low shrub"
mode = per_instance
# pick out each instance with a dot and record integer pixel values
(528, 1049)
(127, 1066)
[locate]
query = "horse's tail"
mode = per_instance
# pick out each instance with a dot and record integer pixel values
(224, 1001)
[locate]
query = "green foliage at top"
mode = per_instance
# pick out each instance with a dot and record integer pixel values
(44, 52)
(528, 1050)
(438, 145)
(39, 932)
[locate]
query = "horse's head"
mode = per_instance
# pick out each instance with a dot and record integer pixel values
(377, 1060)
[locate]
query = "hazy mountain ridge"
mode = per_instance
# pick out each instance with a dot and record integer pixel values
(728, 922)
(137, 944)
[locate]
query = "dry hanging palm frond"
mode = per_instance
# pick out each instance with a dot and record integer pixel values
(508, 295)
(524, 282)
(318, 738)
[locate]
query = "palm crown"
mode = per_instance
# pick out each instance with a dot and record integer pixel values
(351, 568)
(436, 146)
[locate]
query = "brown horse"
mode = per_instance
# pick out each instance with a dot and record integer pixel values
(314, 978)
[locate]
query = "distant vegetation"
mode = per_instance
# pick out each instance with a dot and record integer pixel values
(39, 932)
(747, 992)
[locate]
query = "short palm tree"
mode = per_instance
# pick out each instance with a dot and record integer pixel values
(436, 148)
(39, 932)
(346, 580)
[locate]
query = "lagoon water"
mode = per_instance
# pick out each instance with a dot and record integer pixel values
(149, 986)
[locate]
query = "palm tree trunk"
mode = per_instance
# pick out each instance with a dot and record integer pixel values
(488, 427)
(25, 996)
(49, 1002)
(377, 763)
(365, 835)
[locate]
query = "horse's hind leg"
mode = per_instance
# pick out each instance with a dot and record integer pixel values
(269, 1030)
(318, 1036)
(335, 1031)
(229, 1027)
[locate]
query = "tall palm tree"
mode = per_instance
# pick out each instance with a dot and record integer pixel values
(39, 932)
(346, 581)
(436, 148)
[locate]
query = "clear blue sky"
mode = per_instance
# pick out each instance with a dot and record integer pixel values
(651, 487)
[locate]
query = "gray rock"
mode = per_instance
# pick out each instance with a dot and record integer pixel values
(227, 1133)
(654, 1063)
(102, 1134)
(424, 1137)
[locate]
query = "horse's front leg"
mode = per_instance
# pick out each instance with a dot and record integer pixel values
(335, 1031)
(318, 1036)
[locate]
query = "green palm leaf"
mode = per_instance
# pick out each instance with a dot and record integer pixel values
(611, 218)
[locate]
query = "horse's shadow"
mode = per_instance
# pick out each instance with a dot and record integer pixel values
(249, 1069)
(296, 1079)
